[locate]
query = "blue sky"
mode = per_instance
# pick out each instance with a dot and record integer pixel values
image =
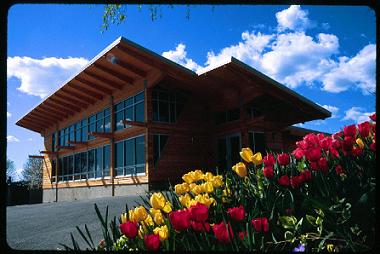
(325, 53)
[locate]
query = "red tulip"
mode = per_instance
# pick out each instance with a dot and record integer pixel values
(221, 233)
(364, 129)
(268, 172)
(152, 242)
(306, 174)
(325, 143)
(350, 131)
(260, 224)
(236, 213)
(356, 151)
(269, 160)
(199, 212)
(284, 180)
(283, 159)
(298, 153)
(373, 147)
(243, 234)
(323, 164)
(296, 181)
(129, 229)
(373, 117)
(200, 226)
(339, 169)
(313, 154)
(180, 219)
(302, 144)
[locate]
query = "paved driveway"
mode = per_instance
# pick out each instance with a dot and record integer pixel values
(44, 226)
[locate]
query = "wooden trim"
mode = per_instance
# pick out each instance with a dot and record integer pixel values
(36, 156)
(78, 96)
(101, 134)
(48, 109)
(119, 76)
(41, 123)
(85, 91)
(133, 123)
(103, 80)
(66, 105)
(48, 114)
(130, 67)
(93, 86)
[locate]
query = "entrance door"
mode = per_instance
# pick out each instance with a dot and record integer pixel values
(228, 151)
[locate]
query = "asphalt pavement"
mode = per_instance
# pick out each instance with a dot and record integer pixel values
(44, 226)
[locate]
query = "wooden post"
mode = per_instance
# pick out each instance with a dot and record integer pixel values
(56, 163)
(112, 147)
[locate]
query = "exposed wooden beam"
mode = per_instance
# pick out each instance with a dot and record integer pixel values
(81, 96)
(133, 123)
(104, 81)
(94, 86)
(130, 67)
(139, 56)
(51, 115)
(66, 105)
(58, 108)
(49, 152)
(32, 126)
(72, 101)
(36, 156)
(101, 134)
(119, 76)
(46, 108)
(66, 147)
(45, 116)
(38, 120)
(86, 91)
(77, 143)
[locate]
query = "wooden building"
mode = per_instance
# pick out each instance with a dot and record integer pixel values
(131, 120)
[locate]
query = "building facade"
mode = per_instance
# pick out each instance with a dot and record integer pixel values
(131, 120)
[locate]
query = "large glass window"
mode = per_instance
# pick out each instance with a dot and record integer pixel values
(130, 156)
(131, 109)
(159, 141)
(53, 141)
(91, 163)
(167, 105)
(53, 170)
(91, 126)
(227, 116)
(257, 142)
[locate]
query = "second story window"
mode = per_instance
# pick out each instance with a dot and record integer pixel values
(131, 109)
(227, 116)
(167, 105)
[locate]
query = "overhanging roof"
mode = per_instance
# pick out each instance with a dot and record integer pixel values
(101, 77)
(105, 75)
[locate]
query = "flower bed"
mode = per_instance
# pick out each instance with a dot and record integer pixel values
(320, 197)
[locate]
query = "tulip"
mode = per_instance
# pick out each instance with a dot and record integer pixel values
(364, 129)
(296, 181)
(260, 224)
(323, 164)
(217, 181)
(152, 242)
(360, 143)
(200, 226)
(373, 117)
(306, 175)
(268, 172)
(283, 159)
(157, 216)
(284, 180)
(204, 199)
(313, 154)
(129, 229)
(350, 131)
(257, 158)
(185, 200)
(207, 187)
(223, 232)
(199, 212)
(140, 213)
(236, 213)
(180, 219)
(157, 200)
(240, 169)
(246, 154)
(269, 160)
(208, 176)
(163, 232)
(181, 188)
(339, 169)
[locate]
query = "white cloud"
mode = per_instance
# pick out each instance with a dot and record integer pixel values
(40, 77)
(359, 71)
(11, 139)
(30, 139)
(293, 57)
(179, 56)
(9, 114)
(334, 110)
(357, 114)
(293, 18)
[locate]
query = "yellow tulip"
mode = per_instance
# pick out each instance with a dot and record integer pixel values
(207, 187)
(257, 158)
(192, 202)
(132, 216)
(217, 181)
(185, 200)
(204, 199)
(189, 177)
(123, 217)
(240, 169)
(246, 154)
(142, 231)
(196, 189)
(360, 143)
(168, 207)
(208, 177)
(181, 188)
(158, 218)
(198, 175)
(149, 220)
(157, 200)
(140, 213)
(162, 231)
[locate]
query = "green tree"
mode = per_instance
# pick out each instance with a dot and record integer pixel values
(33, 173)
(11, 170)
